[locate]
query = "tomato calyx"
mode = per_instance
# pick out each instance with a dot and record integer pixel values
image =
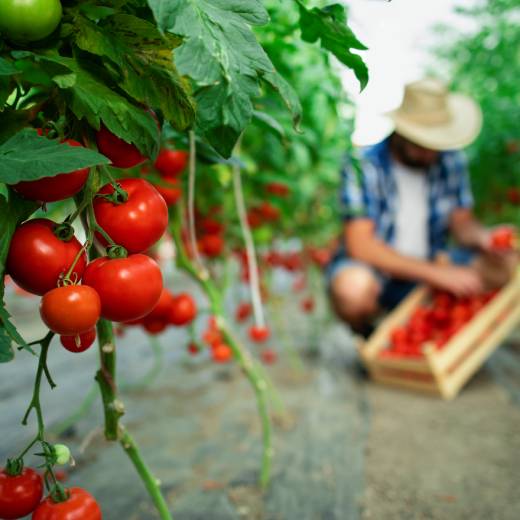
(116, 251)
(14, 467)
(64, 231)
(117, 197)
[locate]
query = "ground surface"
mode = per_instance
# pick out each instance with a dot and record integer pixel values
(345, 449)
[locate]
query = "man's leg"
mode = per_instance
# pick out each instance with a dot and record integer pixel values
(354, 291)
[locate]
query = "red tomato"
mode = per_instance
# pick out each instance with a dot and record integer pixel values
(80, 505)
(154, 325)
(58, 187)
(70, 310)
(183, 310)
(210, 226)
(120, 153)
(37, 258)
(442, 300)
(399, 336)
(503, 239)
(269, 356)
(193, 348)
(171, 163)
(277, 188)
(86, 339)
(137, 223)
(170, 193)
(221, 353)
(243, 311)
(321, 257)
(254, 218)
(211, 245)
(163, 308)
(513, 196)
(129, 288)
(212, 337)
(307, 304)
(259, 334)
(269, 212)
(20, 494)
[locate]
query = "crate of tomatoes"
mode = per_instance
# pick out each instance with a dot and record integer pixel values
(434, 342)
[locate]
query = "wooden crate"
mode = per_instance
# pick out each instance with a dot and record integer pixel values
(443, 372)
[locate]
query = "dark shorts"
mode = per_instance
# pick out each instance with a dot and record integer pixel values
(393, 290)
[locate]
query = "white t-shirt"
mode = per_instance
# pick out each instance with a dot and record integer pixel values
(411, 222)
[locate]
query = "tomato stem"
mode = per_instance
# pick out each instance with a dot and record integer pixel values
(242, 356)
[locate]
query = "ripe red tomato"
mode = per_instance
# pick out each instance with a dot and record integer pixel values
(20, 494)
(269, 212)
(58, 187)
(162, 309)
(193, 348)
(307, 304)
(86, 339)
(277, 188)
(171, 163)
(154, 325)
(269, 356)
(210, 226)
(221, 353)
(183, 310)
(243, 311)
(259, 334)
(254, 218)
(211, 245)
(70, 310)
(129, 288)
(503, 239)
(137, 223)
(80, 505)
(120, 153)
(513, 195)
(38, 258)
(170, 193)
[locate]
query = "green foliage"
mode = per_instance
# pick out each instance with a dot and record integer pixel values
(485, 64)
(26, 156)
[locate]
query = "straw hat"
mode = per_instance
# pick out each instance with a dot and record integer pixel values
(432, 117)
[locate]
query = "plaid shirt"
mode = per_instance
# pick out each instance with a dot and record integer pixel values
(373, 194)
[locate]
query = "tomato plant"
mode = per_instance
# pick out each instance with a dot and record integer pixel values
(38, 258)
(70, 310)
(120, 153)
(20, 494)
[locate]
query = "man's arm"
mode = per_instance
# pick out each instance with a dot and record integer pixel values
(363, 245)
(467, 230)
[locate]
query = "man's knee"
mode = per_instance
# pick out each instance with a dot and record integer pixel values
(354, 292)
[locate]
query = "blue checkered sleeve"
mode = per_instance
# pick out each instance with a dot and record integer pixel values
(357, 198)
(458, 179)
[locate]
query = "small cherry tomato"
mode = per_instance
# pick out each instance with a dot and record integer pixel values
(19, 494)
(79, 342)
(70, 310)
(129, 288)
(58, 187)
(120, 153)
(268, 356)
(221, 353)
(79, 505)
(171, 163)
(137, 223)
(269, 212)
(154, 325)
(277, 188)
(183, 310)
(37, 258)
(307, 304)
(193, 348)
(259, 334)
(243, 311)
(210, 226)
(211, 245)
(503, 239)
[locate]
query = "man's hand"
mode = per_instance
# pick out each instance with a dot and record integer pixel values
(487, 244)
(460, 281)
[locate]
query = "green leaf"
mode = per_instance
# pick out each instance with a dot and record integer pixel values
(222, 55)
(27, 156)
(269, 122)
(142, 60)
(96, 101)
(11, 214)
(7, 68)
(6, 349)
(329, 26)
(43, 70)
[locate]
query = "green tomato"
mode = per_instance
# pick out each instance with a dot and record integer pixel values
(62, 454)
(29, 20)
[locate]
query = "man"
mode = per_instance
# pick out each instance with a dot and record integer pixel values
(410, 194)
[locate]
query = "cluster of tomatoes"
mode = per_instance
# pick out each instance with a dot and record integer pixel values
(435, 323)
(21, 494)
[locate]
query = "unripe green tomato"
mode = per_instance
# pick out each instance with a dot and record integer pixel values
(62, 454)
(29, 20)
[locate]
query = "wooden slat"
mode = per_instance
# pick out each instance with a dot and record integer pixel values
(408, 384)
(477, 327)
(454, 382)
